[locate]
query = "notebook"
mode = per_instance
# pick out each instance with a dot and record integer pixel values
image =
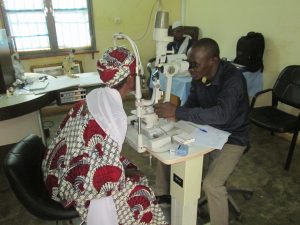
(183, 138)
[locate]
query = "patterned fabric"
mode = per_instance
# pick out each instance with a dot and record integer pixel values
(84, 163)
(115, 65)
(106, 106)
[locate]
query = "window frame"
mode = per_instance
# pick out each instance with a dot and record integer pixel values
(54, 50)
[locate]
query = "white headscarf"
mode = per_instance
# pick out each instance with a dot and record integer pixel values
(105, 105)
(176, 24)
(184, 45)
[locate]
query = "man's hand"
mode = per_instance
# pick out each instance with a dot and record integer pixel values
(165, 110)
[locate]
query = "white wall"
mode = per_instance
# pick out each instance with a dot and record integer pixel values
(226, 21)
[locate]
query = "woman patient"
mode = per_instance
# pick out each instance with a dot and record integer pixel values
(83, 167)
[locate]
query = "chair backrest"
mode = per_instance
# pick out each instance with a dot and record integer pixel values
(22, 167)
(287, 87)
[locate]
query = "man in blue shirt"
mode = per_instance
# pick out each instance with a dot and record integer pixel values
(218, 97)
(182, 42)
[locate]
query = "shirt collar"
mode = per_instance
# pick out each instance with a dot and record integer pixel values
(217, 78)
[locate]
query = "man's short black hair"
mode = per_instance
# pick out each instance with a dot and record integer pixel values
(210, 45)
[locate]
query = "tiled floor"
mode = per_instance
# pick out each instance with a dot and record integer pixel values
(276, 199)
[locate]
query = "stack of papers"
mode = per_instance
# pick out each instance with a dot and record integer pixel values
(184, 138)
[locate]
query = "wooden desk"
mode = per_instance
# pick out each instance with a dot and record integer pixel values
(185, 181)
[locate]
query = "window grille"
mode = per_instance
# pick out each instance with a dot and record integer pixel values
(49, 25)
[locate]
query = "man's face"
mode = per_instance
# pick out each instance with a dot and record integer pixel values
(201, 64)
(178, 33)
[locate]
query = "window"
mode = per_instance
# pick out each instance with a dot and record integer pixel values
(49, 26)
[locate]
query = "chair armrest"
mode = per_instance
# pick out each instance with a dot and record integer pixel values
(256, 95)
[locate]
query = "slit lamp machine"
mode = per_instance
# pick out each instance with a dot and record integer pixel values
(145, 129)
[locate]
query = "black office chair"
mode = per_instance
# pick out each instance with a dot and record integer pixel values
(246, 193)
(22, 167)
(287, 91)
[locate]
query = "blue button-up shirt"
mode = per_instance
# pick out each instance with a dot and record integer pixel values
(222, 104)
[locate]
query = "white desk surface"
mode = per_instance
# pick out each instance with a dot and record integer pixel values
(6, 101)
(62, 82)
(166, 157)
(84, 80)
(194, 151)
(89, 79)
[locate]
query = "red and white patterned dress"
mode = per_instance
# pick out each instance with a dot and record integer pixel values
(84, 163)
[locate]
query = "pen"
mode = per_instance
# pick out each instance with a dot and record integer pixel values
(179, 147)
(203, 130)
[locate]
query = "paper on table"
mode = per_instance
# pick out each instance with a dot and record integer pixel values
(37, 85)
(62, 82)
(210, 137)
(59, 83)
(204, 135)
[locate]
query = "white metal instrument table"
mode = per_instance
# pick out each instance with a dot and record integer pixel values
(185, 182)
